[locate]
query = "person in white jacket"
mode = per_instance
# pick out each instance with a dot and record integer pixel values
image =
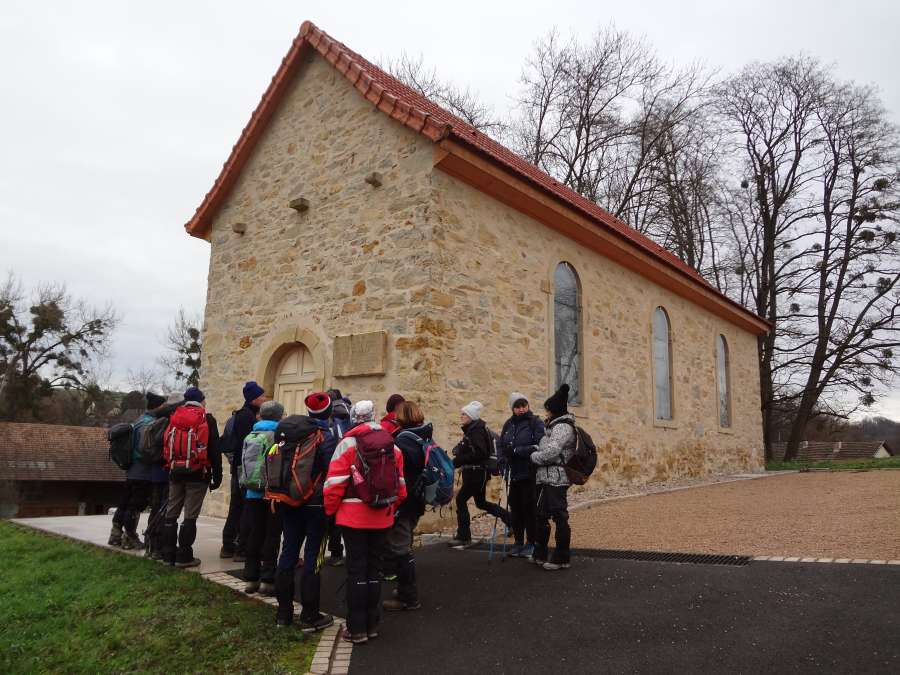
(554, 450)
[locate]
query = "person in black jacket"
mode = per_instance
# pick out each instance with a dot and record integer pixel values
(244, 419)
(471, 455)
(520, 436)
(410, 438)
(187, 491)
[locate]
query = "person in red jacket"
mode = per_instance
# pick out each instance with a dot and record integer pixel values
(389, 421)
(364, 526)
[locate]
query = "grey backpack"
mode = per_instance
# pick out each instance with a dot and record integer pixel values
(252, 473)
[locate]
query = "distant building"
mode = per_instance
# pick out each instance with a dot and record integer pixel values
(56, 470)
(837, 451)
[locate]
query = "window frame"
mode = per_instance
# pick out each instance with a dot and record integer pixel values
(579, 333)
(726, 368)
(672, 420)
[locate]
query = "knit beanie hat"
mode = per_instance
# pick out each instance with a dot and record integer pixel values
(558, 404)
(154, 400)
(393, 402)
(515, 397)
(363, 411)
(318, 404)
(194, 394)
(271, 410)
(473, 410)
(252, 391)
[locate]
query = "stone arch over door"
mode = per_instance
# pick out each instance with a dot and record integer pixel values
(292, 365)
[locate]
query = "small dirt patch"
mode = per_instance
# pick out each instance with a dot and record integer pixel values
(840, 515)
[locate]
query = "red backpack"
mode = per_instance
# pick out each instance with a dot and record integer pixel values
(186, 440)
(376, 481)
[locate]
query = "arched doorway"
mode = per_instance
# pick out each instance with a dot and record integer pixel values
(295, 377)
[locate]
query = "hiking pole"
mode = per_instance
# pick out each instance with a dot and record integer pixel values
(493, 533)
(505, 506)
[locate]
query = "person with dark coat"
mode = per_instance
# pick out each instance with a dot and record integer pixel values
(471, 456)
(520, 437)
(340, 422)
(306, 526)
(138, 485)
(554, 450)
(187, 491)
(159, 479)
(244, 419)
(411, 438)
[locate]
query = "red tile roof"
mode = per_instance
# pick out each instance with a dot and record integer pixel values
(55, 452)
(424, 116)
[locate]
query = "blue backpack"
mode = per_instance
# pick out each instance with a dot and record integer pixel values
(435, 484)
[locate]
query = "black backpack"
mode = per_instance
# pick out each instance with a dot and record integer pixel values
(584, 460)
(150, 443)
(120, 448)
(228, 443)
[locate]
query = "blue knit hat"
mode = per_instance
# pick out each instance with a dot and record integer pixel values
(252, 391)
(194, 394)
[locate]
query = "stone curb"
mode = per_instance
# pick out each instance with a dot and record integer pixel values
(844, 561)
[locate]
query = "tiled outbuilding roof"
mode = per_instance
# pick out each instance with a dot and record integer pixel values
(819, 451)
(55, 452)
(422, 115)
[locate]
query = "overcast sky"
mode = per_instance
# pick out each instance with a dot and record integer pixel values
(117, 116)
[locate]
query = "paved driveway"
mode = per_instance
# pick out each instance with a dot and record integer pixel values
(623, 616)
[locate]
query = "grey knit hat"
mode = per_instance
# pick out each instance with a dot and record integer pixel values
(473, 410)
(271, 410)
(515, 397)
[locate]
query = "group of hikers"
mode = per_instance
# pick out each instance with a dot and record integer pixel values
(338, 477)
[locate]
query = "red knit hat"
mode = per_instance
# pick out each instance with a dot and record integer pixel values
(318, 404)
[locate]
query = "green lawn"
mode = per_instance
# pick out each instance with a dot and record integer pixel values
(886, 463)
(74, 608)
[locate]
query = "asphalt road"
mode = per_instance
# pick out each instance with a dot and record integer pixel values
(621, 616)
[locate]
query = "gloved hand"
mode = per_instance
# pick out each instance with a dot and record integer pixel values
(216, 482)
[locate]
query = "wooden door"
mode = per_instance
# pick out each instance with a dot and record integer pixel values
(294, 379)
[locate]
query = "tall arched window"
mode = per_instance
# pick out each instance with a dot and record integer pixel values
(567, 329)
(662, 365)
(723, 377)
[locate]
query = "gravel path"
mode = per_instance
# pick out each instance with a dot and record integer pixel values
(842, 514)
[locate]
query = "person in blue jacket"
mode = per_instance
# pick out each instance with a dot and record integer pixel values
(520, 437)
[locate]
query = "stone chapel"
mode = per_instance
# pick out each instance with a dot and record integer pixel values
(366, 239)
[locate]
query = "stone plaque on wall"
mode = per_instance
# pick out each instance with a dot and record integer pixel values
(360, 354)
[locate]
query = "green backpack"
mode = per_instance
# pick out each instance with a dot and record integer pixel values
(253, 459)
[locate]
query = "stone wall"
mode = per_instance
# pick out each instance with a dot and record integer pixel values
(359, 259)
(461, 283)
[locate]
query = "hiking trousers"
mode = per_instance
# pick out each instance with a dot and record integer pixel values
(262, 534)
(552, 503)
(135, 499)
(398, 549)
(363, 578)
(302, 526)
(231, 532)
(187, 496)
(474, 484)
(521, 505)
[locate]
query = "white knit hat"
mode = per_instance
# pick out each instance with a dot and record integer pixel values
(516, 396)
(473, 410)
(363, 411)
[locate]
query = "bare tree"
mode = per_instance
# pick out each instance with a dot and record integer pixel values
(48, 341)
(182, 359)
(464, 103)
(145, 378)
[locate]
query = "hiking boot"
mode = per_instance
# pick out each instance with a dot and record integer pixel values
(115, 536)
(267, 588)
(355, 638)
(193, 562)
(372, 633)
(397, 605)
(453, 543)
(251, 587)
(226, 551)
(536, 561)
(527, 551)
(314, 625)
(515, 550)
(239, 556)
(335, 561)
(131, 542)
(552, 566)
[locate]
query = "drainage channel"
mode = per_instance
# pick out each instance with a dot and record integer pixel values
(644, 556)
